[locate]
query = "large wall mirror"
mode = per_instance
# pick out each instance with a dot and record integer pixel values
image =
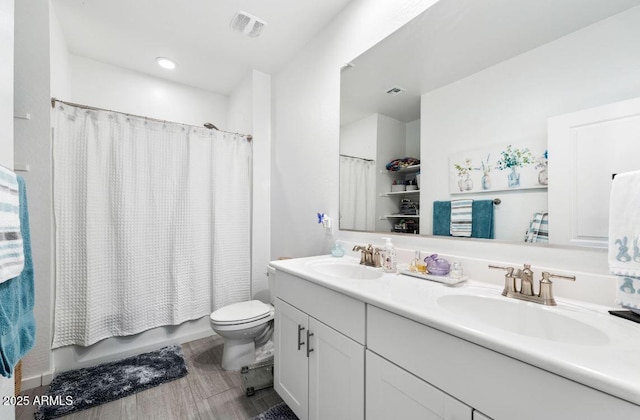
(468, 88)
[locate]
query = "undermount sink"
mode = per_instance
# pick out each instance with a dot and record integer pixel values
(528, 319)
(346, 270)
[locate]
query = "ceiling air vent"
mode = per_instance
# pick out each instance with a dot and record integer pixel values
(247, 24)
(395, 91)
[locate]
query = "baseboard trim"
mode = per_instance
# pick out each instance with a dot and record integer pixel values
(47, 378)
(36, 381)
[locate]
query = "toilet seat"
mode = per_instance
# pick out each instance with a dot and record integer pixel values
(242, 313)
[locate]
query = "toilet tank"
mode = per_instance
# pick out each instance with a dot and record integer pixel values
(271, 274)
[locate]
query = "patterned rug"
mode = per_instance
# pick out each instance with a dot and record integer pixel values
(277, 412)
(85, 388)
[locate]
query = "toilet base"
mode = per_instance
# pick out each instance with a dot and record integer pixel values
(238, 353)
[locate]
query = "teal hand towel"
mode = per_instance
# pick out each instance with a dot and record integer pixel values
(442, 218)
(482, 219)
(17, 324)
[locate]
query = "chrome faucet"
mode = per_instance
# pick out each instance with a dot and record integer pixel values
(526, 292)
(369, 255)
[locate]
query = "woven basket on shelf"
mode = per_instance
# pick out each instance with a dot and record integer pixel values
(17, 377)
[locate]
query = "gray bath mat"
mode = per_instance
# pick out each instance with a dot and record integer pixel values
(277, 412)
(85, 388)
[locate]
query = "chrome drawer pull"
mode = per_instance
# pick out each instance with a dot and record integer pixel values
(309, 350)
(300, 329)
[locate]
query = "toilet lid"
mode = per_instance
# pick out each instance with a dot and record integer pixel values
(241, 312)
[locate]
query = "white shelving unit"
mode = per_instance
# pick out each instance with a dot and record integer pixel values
(394, 219)
(395, 193)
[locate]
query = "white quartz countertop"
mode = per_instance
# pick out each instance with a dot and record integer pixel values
(603, 354)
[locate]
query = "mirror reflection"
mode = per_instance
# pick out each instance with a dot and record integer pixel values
(467, 89)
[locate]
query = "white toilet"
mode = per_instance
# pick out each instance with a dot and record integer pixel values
(245, 327)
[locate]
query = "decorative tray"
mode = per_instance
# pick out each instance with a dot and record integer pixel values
(440, 279)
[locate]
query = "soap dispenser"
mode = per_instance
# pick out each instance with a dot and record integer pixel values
(389, 257)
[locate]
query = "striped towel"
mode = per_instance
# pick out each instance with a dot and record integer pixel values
(11, 252)
(461, 218)
(538, 228)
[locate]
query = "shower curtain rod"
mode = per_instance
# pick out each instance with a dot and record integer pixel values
(356, 157)
(206, 125)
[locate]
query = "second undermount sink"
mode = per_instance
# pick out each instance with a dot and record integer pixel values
(527, 319)
(345, 270)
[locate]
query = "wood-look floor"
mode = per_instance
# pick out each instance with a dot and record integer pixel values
(206, 393)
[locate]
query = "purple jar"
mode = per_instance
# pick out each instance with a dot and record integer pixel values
(437, 266)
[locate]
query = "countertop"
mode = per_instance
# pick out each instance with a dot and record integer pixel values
(605, 357)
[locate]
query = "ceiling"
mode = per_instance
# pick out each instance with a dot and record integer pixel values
(455, 39)
(195, 33)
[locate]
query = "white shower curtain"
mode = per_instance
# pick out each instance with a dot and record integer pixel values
(152, 223)
(357, 193)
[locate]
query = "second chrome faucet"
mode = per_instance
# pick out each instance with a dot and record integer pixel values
(526, 292)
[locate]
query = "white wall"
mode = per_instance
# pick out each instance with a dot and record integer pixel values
(413, 139)
(358, 139)
(306, 145)
(261, 215)
(6, 83)
(106, 86)
(511, 101)
(250, 112)
(240, 118)
(6, 135)
(59, 57)
(33, 147)
(390, 144)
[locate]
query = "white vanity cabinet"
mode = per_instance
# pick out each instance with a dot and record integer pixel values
(497, 385)
(392, 392)
(319, 350)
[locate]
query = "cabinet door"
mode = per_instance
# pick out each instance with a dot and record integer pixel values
(336, 375)
(291, 373)
(393, 393)
(584, 178)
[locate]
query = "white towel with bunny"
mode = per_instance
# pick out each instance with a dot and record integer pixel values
(11, 250)
(624, 238)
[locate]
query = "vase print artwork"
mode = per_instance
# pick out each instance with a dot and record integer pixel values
(469, 183)
(542, 164)
(465, 183)
(520, 168)
(513, 178)
(486, 181)
(514, 158)
(543, 177)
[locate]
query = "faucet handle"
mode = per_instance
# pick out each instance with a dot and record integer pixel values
(546, 291)
(546, 276)
(509, 270)
(377, 257)
(509, 279)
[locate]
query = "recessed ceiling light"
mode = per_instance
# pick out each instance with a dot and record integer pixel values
(166, 63)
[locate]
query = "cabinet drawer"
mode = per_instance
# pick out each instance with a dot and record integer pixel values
(395, 393)
(338, 311)
(486, 380)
